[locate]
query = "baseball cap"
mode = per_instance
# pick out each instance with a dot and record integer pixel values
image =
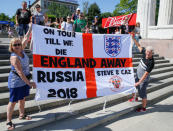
(78, 9)
(37, 6)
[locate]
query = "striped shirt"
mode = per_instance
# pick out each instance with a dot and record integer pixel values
(146, 64)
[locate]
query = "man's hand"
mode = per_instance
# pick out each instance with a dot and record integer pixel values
(137, 84)
(32, 84)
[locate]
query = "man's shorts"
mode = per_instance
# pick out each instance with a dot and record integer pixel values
(142, 88)
(23, 29)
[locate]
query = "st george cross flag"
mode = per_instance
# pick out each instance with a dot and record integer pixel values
(73, 65)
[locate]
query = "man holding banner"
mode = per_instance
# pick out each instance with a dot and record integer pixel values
(144, 68)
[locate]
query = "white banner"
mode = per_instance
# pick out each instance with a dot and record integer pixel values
(76, 66)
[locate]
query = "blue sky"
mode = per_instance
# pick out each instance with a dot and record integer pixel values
(9, 7)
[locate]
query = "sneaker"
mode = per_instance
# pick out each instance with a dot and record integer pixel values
(133, 99)
(141, 109)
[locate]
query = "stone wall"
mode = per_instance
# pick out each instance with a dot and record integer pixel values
(160, 32)
(161, 47)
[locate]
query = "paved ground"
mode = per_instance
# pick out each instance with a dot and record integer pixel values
(159, 117)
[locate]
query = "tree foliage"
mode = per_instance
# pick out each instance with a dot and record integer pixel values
(85, 7)
(4, 17)
(93, 11)
(125, 7)
(58, 10)
(13, 19)
(106, 15)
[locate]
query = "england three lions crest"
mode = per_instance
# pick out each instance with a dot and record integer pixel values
(112, 45)
(115, 83)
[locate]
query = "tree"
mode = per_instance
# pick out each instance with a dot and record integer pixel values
(85, 7)
(58, 10)
(106, 15)
(93, 11)
(4, 17)
(125, 7)
(13, 19)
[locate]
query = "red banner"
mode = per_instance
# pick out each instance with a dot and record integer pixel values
(118, 20)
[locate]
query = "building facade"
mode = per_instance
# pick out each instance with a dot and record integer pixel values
(146, 13)
(71, 4)
(159, 35)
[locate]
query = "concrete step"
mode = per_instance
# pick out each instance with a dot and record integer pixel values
(159, 70)
(157, 77)
(140, 55)
(7, 62)
(6, 69)
(4, 46)
(7, 56)
(5, 51)
(4, 97)
(162, 65)
(4, 87)
(158, 114)
(4, 40)
(4, 35)
(155, 58)
(156, 62)
(89, 120)
(31, 106)
(87, 114)
(4, 76)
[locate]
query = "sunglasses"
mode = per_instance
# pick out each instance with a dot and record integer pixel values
(17, 45)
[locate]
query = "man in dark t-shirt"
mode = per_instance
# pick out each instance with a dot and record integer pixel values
(23, 19)
(124, 29)
(94, 26)
(144, 69)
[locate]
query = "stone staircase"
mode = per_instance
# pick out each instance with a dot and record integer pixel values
(82, 114)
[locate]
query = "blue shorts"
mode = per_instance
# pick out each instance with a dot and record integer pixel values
(23, 29)
(19, 93)
(142, 88)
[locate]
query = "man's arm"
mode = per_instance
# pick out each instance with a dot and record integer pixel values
(137, 44)
(142, 78)
(26, 37)
(17, 20)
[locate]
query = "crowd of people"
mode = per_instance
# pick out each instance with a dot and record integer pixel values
(19, 82)
(76, 22)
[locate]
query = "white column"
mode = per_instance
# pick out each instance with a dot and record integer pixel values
(152, 13)
(146, 15)
(165, 12)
